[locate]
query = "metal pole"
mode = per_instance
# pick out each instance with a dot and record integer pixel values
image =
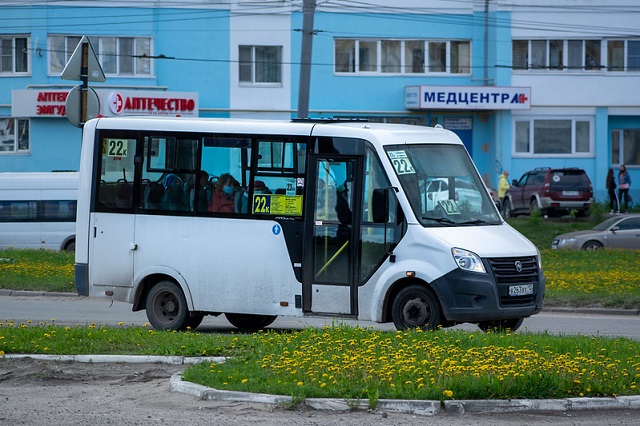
(486, 42)
(84, 76)
(308, 10)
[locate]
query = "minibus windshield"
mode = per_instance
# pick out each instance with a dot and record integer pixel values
(442, 185)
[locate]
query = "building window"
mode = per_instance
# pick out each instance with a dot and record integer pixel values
(260, 64)
(118, 56)
(551, 137)
(402, 56)
(625, 147)
(368, 55)
(391, 56)
(14, 57)
(576, 55)
(14, 135)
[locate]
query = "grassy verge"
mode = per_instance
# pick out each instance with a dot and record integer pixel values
(37, 270)
(355, 363)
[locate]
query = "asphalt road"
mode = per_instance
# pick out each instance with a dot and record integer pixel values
(72, 310)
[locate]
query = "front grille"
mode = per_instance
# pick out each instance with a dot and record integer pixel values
(506, 274)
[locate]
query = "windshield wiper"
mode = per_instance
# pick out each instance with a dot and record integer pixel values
(473, 222)
(444, 220)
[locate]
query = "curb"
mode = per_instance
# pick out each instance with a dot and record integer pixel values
(415, 407)
(129, 359)
(29, 293)
(405, 406)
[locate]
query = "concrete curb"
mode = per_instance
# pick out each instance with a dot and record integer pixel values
(415, 407)
(29, 293)
(129, 359)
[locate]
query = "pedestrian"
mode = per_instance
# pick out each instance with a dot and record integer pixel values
(614, 205)
(503, 186)
(624, 182)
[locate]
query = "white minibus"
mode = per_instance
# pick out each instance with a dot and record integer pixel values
(38, 210)
(188, 217)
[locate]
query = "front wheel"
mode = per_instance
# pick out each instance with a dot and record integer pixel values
(501, 325)
(167, 307)
(250, 321)
(592, 245)
(416, 307)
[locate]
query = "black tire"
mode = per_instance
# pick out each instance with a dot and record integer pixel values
(533, 207)
(592, 245)
(507, 209)
(70, 247)
(416, 306)
(501, 325)
(250, 321)
(167, 307)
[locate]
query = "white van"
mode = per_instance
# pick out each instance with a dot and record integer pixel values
(38, 210)
(253, 219)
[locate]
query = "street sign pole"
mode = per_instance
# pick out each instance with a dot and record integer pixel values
(84, 66)
(84, 76)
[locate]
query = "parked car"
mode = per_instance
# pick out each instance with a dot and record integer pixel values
(463, 193)
(621, 231)
(551, 191)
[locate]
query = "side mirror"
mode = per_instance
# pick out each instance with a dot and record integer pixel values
(380, 205)
(615, 228)
(514, 183)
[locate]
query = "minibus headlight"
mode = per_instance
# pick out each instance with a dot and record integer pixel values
(467, 260)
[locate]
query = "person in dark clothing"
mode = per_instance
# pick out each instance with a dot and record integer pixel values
(614, 206)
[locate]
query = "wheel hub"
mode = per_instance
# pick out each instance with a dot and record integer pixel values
(416, 312)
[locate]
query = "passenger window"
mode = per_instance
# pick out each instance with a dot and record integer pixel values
(168, 173)
(115, 190)
(225, 158)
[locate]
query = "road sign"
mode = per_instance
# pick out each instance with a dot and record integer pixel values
(73, 69)
(74, 108)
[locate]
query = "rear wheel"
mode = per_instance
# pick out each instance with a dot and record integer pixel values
(507, 209)
(533, 207)
(167, 307)
(592, 245)
(416, 307)
(250, 321)
(501, 325)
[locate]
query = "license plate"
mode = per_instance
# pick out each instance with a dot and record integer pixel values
(571, 193)
(520, 290)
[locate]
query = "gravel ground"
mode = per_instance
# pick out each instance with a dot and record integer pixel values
(39, 393)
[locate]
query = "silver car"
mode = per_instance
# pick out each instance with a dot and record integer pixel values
(622, 231)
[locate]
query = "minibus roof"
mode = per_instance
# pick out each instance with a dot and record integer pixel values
(383, 133)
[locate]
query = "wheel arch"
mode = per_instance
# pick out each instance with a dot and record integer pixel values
(71, 239)
(598, 243)
(149, 280)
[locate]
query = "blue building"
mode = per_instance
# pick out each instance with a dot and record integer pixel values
(555, 84)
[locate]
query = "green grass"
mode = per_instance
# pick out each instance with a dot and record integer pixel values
(37, 270)
(355, 363)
